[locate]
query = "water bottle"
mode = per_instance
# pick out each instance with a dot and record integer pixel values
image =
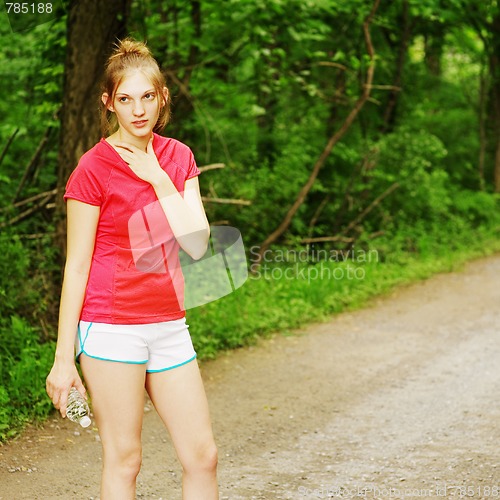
(78, 409)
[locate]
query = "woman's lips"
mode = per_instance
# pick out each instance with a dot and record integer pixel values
(139, 123)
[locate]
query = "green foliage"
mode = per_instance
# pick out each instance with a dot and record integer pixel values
(31, 71)
(24, 365)
(261, 86)
(287, 295)
(24, 360)
(25, 268)
(413, 158)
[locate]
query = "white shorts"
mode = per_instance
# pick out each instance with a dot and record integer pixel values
(159, 346)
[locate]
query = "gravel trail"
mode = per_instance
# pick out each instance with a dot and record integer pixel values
(398, 400)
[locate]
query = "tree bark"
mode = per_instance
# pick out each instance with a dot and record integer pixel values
(334, 139)
(93, 27)
(390, 110)
(483, 86)
(495, 94)
(488, 30)
(497, 168)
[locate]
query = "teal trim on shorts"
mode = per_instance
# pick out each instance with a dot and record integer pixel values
(172, 367)
(82, 344)
(114, 360)
(82, 351)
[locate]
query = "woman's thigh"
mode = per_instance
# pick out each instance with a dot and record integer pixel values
(117, 394)
(179, 398)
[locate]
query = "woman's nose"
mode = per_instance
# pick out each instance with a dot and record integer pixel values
(138, 109)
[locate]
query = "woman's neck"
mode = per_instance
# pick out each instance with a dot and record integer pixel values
(122, 136)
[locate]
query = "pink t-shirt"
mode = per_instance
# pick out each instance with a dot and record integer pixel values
(122, 289)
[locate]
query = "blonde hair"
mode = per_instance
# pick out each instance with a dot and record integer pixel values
(130, 55)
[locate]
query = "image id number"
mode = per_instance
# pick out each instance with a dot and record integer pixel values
(29, 8)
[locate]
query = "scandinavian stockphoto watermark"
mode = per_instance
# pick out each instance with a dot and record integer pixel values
(155, 249)
(311, 263)
(438, 490)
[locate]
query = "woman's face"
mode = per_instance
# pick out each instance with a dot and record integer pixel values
(136, 104)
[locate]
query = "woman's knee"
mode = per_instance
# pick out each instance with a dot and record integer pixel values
(211, 457)
(125, 459)
(203, 458)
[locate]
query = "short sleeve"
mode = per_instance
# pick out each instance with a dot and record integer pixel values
(193, 169)
(84, 185)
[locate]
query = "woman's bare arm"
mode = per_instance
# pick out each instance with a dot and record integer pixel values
(82, 227)
(185, 215)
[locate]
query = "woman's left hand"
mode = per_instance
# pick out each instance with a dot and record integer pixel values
(144, 164)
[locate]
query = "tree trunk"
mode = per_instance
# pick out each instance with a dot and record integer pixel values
(93, 26)
(182, 104)
(488, 30)
(483, 91)
(495, 95)
(497, 168)
(390, 110)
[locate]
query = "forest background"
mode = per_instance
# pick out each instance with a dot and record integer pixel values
(323, 128)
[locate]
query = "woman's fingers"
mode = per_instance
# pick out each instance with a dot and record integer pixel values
(144, 164)
(59, 383)
(126, 154)
(63, 402)
(60, 399)
(126, 146)
(78, 385)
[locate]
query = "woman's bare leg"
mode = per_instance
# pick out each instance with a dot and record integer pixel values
(179, 398)
(117, 392)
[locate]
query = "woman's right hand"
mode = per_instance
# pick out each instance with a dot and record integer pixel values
(62, 377)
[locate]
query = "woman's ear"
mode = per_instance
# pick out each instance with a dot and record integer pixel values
(105, 100)
(165, 96)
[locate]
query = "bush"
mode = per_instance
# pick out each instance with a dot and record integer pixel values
(23, 370)
(414, 160)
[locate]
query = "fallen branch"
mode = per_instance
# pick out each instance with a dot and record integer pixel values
(33, 162)
(29, 211)
(335, 138)
(212, 166)
(376, 234)
(222, 222)
(35, 236)
(30, 199)
(333, 65)
(370, 207)
(7, 145)
(386, 87)
(229, 201)
(323, 239)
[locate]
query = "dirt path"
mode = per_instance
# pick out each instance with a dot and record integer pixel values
(400, 400)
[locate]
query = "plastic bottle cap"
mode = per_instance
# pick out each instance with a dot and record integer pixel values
(85, 421)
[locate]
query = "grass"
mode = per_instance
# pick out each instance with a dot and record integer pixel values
(288, 296)
(281, 297)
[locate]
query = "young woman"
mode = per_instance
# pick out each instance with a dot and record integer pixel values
(125, 317)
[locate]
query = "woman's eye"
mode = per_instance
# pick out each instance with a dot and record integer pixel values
(150, 96)
(123, 99)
